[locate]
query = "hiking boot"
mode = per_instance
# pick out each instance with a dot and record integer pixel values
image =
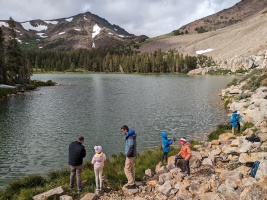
(80, 190)
(129, 187)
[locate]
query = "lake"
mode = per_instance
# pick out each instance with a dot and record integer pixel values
(37, 127)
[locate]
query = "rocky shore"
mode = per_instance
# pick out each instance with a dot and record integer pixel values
(219, 168)
(236, 63)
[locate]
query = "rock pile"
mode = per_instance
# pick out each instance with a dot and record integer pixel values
(258, 61)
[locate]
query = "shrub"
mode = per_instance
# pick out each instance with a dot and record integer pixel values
(243, 96)
(246, 126)
(233, 82)
(226, 103)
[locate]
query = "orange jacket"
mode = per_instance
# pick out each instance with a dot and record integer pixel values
(185, 151)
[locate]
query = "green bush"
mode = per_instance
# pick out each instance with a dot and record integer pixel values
(243, 96)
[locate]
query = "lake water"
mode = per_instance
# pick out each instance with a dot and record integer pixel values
(37, 127)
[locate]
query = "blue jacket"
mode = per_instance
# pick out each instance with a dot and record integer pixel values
(165, 142)
(234, 120)
(130, 146)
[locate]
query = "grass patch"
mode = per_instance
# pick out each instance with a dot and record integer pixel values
(219, 72)
(225, 105)
(234, 166)
(193, 143)
(222, 128)
(29, 186)
(243, 96)
(38, 83)
(233, 82)
(7, 91)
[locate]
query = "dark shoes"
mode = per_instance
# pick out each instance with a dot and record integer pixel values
(80, 190)
(129, 187)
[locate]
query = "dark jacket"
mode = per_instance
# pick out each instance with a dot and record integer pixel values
(76, 153)
(130, 146)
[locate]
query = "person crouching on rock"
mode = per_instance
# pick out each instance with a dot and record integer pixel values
(185, 153)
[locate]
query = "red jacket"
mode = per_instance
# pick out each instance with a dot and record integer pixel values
(185, 151)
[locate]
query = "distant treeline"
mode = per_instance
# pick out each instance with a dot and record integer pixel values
(116, 60)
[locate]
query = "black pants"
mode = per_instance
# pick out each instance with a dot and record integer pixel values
(186, 163)
(238, 127)
(164, 156)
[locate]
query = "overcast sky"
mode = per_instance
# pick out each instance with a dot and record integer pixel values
(148, 17)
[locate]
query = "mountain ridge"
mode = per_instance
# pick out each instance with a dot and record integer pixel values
(84, 30)
(243, 38)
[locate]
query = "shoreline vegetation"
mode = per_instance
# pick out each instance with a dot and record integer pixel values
(8, 90)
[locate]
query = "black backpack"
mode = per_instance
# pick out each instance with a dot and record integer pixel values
(253, 138)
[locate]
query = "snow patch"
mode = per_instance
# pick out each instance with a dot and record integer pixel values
(204, 51)
(18, 40)
(51, 22)
(41, 47)
(28, 26)
(115, 29)
(77, 29)
(17, 31)
(69, 19)
(42, 35)
(96, 30)
(93, 45)
(85, 18)
(121, 36)
(61, 33)
(4, 24)
(110, 33)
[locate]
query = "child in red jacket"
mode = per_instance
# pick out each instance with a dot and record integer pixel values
(185, 153)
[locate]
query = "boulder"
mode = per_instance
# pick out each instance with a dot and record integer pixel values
(49, 193)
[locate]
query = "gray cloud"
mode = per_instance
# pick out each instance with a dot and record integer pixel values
(148, 17)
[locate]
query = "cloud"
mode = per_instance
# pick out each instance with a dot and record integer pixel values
(148, 17)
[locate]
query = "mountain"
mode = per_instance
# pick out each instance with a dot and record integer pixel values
(84, 30)
(237, 31)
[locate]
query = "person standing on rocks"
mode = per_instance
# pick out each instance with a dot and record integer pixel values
(98, 161)
(165, 146)
(185, 153)
(130, 152)
(234, 121)
(76, 154)
(239, 119)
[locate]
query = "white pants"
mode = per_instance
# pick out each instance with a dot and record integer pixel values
(98, 178)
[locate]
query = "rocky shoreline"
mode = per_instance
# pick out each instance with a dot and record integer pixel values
(219, 168)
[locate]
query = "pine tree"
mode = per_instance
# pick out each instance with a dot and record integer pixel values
(3, 78)
(14, 57)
